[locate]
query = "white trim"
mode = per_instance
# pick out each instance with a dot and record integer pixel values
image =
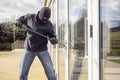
(93, 42)
(57, 34)
(67, 65)
(86, 37)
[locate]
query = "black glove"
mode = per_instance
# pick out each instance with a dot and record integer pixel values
(53, 40)
(18, 24)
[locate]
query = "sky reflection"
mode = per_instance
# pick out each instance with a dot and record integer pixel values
(110, 9)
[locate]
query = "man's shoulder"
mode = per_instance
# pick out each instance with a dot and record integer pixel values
(49, 22)
(30, 15)
(50, 25)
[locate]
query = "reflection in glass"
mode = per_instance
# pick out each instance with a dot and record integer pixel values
(110, 39)
(78, 21)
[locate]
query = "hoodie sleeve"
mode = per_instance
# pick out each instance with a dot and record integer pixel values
(22, 20)
(51, 31)
(52, 36)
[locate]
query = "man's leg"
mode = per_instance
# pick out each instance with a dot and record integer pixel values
(25, 64)
(47, 64)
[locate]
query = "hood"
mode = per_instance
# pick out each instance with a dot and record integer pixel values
(44, 12)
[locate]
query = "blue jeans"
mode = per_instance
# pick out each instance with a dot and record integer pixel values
(27, 60)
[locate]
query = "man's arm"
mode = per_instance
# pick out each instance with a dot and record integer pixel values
(22, 20)
(52, 35)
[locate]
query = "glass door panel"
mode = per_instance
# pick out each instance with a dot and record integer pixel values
(110, 39)
(78, 25)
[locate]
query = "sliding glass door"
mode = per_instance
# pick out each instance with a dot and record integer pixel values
(110, 39)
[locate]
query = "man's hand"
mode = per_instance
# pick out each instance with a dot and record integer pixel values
(53, 40)
(18, 24)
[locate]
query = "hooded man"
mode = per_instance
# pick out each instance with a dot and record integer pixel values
(36, 45)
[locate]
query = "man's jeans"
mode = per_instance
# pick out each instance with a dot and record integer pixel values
(27, 60)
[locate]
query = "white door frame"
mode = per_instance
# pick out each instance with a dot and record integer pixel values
(93, 39)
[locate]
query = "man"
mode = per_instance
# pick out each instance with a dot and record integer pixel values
(36, 45)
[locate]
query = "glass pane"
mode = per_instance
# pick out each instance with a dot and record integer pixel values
(78, 22)
(110, 39)
(77, 40)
